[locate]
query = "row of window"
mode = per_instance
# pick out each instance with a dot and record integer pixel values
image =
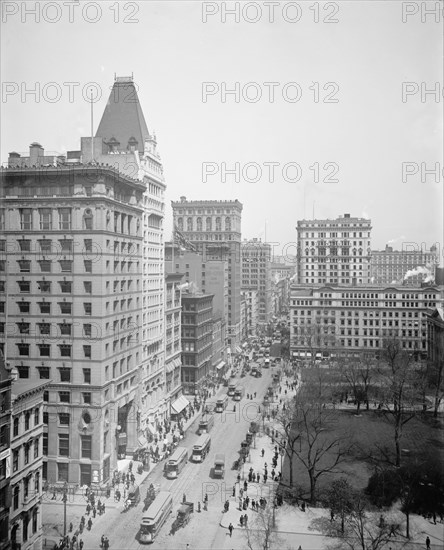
(27, 415)
(45, 307)
(45, 351)
(208, 224)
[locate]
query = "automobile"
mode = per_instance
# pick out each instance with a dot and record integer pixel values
(183, 516)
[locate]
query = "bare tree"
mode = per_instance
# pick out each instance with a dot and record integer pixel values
(400, 381)
(323, 448)
(360, 529)
(358, 376)
(261, 531)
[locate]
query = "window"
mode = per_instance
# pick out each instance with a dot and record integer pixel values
(45, 246)
(24, 266)
(24, 286)
(87, 219)
(25, 219)
(16, 496)
(64, 397)
(26, 453)
(65, 329)
(44, 286)
(65, 307)
(36, 449)
(88, 266)
(62, 471)
(25, 245)
(15, 460)
(87, 376)
(45, 350)
(65, 374)
(66, 266)
(64, 419)
(64, 218)
(45, 307)
(27, 420)
(23, 371)
(66, 245)
(65, 350)
(45, 218)
(64, 444)
(87, 398)
(65, 287)
(23, 328)
(45, 266)
(87, 285)
(86, 441)
(44, 373)
(23, 307)
(36, 417)
(87, 352)
(87, 307)
(23, 350)
(87, 330)
(16, 427)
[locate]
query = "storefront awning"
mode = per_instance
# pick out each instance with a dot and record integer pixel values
(141, 440)
(179, 405)
(220, 365)
(238, 349)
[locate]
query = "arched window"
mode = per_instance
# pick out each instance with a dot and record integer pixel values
(218, 224)
(227, 223)
(88, 219)
(180, 224)
(189, 224)
(208, 224)
(199, 224)
(34, 520)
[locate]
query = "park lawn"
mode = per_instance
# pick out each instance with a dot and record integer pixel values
(370, 431)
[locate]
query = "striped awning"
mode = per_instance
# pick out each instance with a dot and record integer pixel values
(179, 405)
(220, 365)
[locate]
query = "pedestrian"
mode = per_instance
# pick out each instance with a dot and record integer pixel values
(90, 524)
(102, 541)
(234, 490)
(262, 452)
(106, 543)
(81, 528)
(428, 543)
(230, 528)
(94, 512)
(103, 508)
(184, 498)
(300, 547)
(250, 476)
(245, 486)
(258, 477)
(70, 527)
(265, 478)
(82, 520)
(245, 520)
(198, 506)
(241, 492)
(241, 520)
(81, 544)
(247, 500)
(88, 509)
(253, 476)
(253, 504)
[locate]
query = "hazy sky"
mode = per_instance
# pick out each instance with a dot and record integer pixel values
(338, 99)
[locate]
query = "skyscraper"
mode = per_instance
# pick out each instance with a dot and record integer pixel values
(334, 251)
(85, 282)
(214, 228)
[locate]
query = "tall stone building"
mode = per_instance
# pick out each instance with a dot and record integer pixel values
(406, 267)
(334, 251)
(256, 275)
(214, 228)
(85, 286)
(5, 448)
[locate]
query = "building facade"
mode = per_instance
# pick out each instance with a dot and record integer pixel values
(334, 251)
(85, 282)
(252, 311)
(435, 335)
(256, 275)
(173, 336)
(197, 341)
(214, 228)
(5, 449)
(329, 321)
(403, 267)
(27, 464)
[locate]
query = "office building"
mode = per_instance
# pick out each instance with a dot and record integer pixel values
(256, 275)
(334, 251)
(214, 228)
(5, 450)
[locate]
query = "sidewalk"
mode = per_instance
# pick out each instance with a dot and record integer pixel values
(53, 510)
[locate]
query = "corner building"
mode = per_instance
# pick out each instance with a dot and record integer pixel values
(214, 228)
(85, 285)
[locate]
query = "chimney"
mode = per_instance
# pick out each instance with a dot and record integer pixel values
(35, 151)
(183, 199)
(346, 215)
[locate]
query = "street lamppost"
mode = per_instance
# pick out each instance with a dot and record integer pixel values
(281, 452)
(64, 500)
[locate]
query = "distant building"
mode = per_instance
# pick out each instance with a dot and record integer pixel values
(252, 310)
(334, 251)
(219, 353)
(256, 275)
(329, 321)
(27, 463)
(197, 341)
(403, 267)
(214, 228)
(173, 338)
(435, 335)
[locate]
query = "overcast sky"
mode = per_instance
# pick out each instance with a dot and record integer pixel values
(338, 103)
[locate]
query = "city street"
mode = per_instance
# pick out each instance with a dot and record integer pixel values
(203, 530)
